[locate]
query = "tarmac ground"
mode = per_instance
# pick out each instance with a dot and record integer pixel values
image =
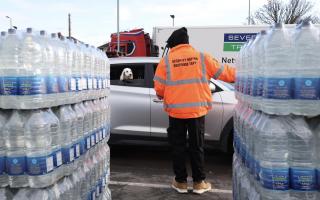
(145, 173)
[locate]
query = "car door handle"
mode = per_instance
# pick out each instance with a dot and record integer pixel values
(157, 101)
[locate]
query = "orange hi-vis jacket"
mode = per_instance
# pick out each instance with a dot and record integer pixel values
(182, 79)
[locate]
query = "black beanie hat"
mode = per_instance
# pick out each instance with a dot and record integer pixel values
(179, 36)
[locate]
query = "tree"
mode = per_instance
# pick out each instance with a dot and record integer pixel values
(293, 12)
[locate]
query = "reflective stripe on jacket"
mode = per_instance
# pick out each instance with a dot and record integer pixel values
(182, 80)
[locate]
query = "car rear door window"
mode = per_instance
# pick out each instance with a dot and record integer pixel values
(138, 71)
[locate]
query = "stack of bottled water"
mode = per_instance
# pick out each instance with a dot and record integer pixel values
(54, 118)
(277, 119)
(39, 70)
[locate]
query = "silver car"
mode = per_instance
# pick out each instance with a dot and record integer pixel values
(137, 114)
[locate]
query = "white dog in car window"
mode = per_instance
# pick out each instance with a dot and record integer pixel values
(126, 74)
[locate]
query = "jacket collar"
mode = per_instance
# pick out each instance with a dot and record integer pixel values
(180, 46)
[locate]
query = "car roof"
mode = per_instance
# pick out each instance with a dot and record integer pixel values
(134, 60)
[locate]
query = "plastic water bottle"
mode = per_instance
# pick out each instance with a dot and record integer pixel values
(61, 69)
(71, 68)
(249, 71)
(306, 69)
(32, 88)
(65, 119)
(302, 160)
(277, 72)
(51, 69)
(38, 141)
(65, 71)
(74, 136)
(77, 72)
(90, 124)
(256, 159)
(10, 69)
(86, 69)
(273, 155)
(4, 181)
(57, 140)
(315, 125)
(14, 134)
(258, 59)
(80, 128)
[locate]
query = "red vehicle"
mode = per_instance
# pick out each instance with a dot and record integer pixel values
(133, 43)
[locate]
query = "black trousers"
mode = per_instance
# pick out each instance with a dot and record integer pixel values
(183, 146)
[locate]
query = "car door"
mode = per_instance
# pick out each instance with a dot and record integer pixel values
(130, 101)
(160, 121)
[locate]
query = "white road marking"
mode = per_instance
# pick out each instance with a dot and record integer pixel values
(152, 185)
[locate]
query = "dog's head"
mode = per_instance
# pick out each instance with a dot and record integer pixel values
(126, 74)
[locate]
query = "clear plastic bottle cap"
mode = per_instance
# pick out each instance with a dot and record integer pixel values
(29, 30)
(278, 25)
(11, 31)
(263, 32)
(42, 32)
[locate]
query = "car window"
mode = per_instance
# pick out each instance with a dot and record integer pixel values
(138, 75)
(228, 85)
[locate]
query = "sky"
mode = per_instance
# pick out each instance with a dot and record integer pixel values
(92, 21)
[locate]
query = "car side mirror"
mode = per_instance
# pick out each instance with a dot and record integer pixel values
(212, 87)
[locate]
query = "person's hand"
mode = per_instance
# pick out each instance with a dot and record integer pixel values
(159, 97)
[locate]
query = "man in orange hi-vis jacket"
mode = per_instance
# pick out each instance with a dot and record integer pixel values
(181, 80)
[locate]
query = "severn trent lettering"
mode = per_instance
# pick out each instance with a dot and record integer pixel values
(238, 37)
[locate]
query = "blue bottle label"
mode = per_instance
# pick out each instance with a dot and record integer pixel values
(93, 139)
(9, 85)
(39, 165)
(275, 179)
(32, 85)
(97, 137)
(99, 83)
(88, 142)
(318, 179)
(93, 194)
(100, 185)
(57, 158)
(90, 83)
(257, 87)
(257, 170)
(303, 179)
(247, 160)
(249, 86)
(2, 164)
(73, 84)
(67, 155)
(52, 84)
(84, 83)
(76, 150)
(76, 83)
(95, 82)
(278, 88)
(251, 165)
(307, 88)
(82, 146)
(100, 134)
(102, 83)
(103, 132)
(64, 84)
(16, 165)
